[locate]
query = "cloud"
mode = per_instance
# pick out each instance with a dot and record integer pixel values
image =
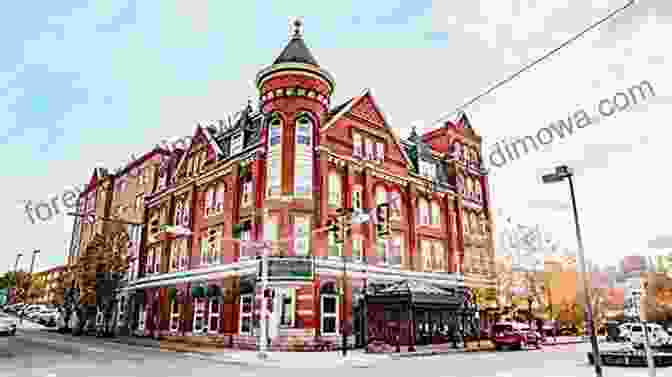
(554, 205)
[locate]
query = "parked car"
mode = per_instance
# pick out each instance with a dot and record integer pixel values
(48, 317)
(7, 324)
(657, 335)
(514, 335)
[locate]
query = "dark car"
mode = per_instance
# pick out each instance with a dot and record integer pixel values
(515, 336)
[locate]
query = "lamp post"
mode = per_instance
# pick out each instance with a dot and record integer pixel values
(30, 274)
(561, 173)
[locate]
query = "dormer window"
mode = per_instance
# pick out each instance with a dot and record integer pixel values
(237, 144)
(428, 169)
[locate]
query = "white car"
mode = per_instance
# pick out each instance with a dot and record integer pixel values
(7, 324)
(657, 334)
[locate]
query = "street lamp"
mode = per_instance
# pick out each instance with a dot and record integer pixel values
(561, 173)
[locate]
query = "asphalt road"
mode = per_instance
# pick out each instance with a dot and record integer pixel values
(34, 352)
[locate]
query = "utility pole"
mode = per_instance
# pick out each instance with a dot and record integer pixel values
(32, 265)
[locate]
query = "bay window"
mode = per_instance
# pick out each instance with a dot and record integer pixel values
(174, 316)
(303, 157)
(357, 150)
(274, 167)
(335, 249)
(436, 213)
(301, 236)
(334, 189)
(329, 312)
(200, 326)
(287, 306)
(214, 314)
(246, 314)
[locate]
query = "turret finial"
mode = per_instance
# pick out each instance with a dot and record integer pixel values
(298, 28)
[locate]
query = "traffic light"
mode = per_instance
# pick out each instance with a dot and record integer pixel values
(383, 217)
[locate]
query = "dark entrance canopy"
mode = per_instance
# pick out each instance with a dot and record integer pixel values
(420, 294)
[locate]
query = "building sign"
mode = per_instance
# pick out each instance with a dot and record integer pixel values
(290, 269)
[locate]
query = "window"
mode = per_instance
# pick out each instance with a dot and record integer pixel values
(439, 256)
(270, 230)
(423, 212)
(335, 249)
(470, 188)
(368, 149)
(141, 317)
(397, 252)
(428, 169)
(473, 226)
(465, 223)
(236, 144)
(357, 145)
(287, 306)
(478, 191)
(139, 202)
(245, 314)
(329, 309)
(213, 313)
(380, 152)
(436, 214)
(357, 250)
(210, 246)
(426, 255)
(174, 316)
(209, 201)
(274, 167)
(357, 197)
(395, 205)
(200, 326)
(381, 196)
(219, 198)
(382, 250)
(247, 194)
(301, 236)
(204, 249)
(157, 260)
(174, 256)
(178, 212)
(303, 159)
(334, 189)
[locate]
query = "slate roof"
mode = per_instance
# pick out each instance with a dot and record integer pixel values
(296, 51)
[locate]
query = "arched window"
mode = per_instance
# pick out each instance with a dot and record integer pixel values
(436, 213)
(423, 212)
(334, 189)
(394, 198)
(274, 166)
(219, 198)
(209, 201)
(303, 159)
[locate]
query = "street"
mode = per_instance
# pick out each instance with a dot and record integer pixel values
(36, 352)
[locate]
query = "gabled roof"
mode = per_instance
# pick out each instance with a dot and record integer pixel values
(209, 139)
(350, 104)
(296, 51)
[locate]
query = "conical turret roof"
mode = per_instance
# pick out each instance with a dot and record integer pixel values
(296, 51)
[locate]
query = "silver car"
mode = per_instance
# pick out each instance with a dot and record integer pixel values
(7, 325)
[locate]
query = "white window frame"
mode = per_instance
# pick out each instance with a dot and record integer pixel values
(157, 260)
(244, 315)
(142, 317)
(440, 254)
(205, 249)
(369, 153)
(174, 323)
(214, 235)
(174, 256)
(324, 315)
(335, 189)
(214, 315)
(303, 158)
(395, 209)
(274, 161)
(423, 211)
(435, 213)
(381, 195)
(427, 255)
(291, 294)
(398, 239)
(271, 231)
(219, 198)
(427, 169)
(199, 312)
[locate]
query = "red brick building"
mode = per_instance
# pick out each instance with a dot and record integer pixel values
(278, 174)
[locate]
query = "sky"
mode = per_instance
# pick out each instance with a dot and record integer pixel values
(88, 83)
